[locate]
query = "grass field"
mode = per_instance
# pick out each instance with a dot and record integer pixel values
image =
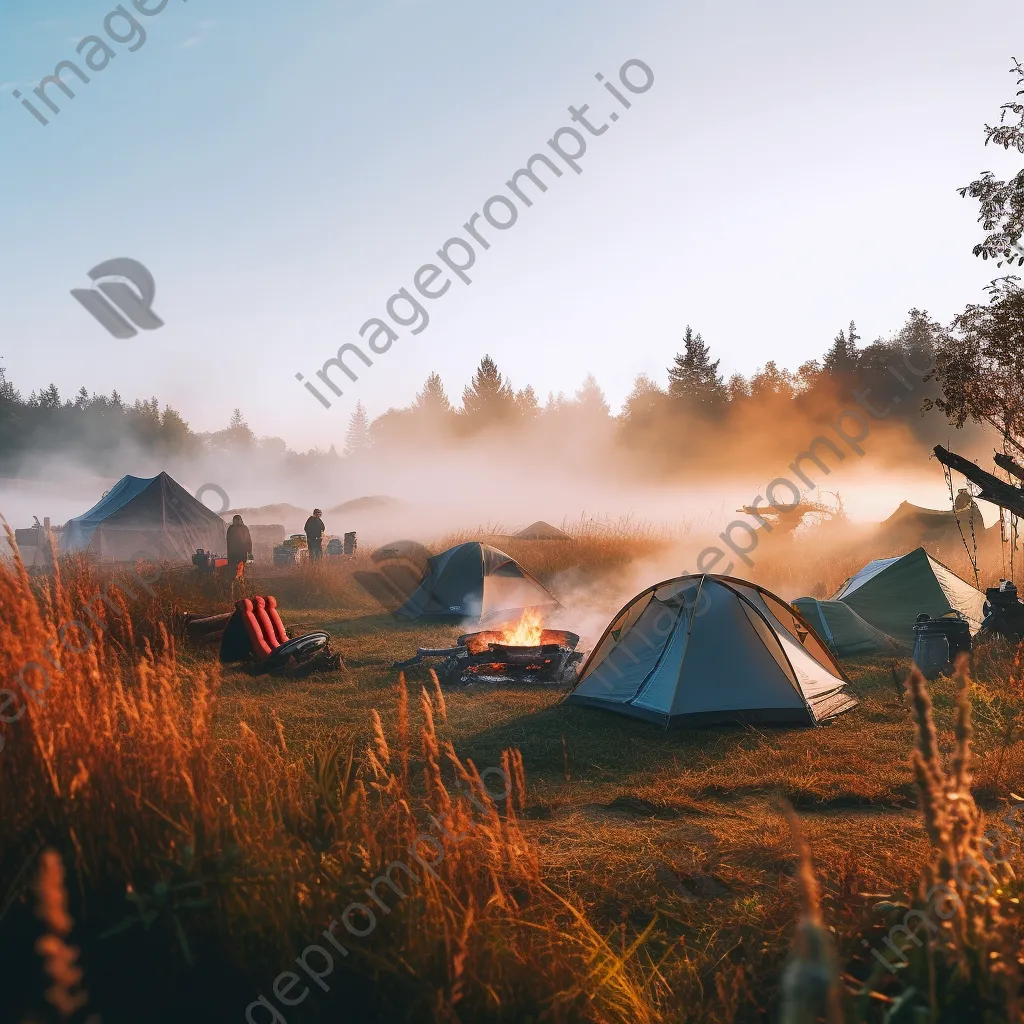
(212, 824)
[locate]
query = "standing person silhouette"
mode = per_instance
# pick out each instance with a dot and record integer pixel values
(315, 536)
(239, 545)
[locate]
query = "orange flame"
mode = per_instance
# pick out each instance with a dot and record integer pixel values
(526, 633)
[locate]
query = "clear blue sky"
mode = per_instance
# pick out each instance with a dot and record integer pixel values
(283, 169)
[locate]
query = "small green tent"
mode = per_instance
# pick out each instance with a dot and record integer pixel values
(474, 582)
(890, 593)
(845, 632)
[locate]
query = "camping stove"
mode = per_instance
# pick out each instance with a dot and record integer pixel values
(483, 657)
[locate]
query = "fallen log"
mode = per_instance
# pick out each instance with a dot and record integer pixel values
(1011, 466)
(993, 490)
(206, 627)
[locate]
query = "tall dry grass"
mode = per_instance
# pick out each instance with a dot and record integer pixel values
(955, 948)
(200, 862)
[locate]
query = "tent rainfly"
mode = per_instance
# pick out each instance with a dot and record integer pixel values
(474, 582)
(541, 531)
(141, 517)
(704, 649)
(889, 593)
(910, 524)
(843, 630)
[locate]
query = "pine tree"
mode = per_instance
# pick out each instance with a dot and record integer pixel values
(239, 435)
(772, 381)
(432, 399)
(489, 396)
(808, 374)
(590, 398)
(49, 398)
(693, 378)
(357, 437)
(841, 358)
(527, 404)
(738, 387)
(8, 393)
(643, 401)
(555, 403)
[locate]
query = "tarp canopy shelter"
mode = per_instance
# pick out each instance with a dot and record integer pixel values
(141, 517)
(705, 649)
(890, 593)
(912, 524)
(541, 531)
(843, 630)
(474, 582)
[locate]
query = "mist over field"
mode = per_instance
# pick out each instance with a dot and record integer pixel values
(657, 656)
(681, 457)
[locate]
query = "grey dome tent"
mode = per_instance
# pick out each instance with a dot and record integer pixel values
(145, 517)
(541, 531)
(843, 630)
(705, 649)
(889, 593)
(474, 582)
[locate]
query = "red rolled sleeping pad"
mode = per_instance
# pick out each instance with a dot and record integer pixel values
(256, 628)
(260, 646)
(282, 636)
(266, 626)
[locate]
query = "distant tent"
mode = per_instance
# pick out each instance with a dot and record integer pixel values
(911, 524)
(142, 517)
(707, 649)
(890, 593)
(843, 630)
(474, 582)
(371, 503)
(541, 531)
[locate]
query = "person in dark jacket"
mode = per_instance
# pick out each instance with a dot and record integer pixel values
(315, 535)
(239, 546)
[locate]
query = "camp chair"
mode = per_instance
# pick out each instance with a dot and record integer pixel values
(268, 642)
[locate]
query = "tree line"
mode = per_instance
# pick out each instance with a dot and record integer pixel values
(978, 377)
(94, 428)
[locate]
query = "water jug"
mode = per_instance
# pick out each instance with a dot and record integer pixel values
(938, 641)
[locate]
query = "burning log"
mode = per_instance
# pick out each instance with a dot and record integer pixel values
(524, 653)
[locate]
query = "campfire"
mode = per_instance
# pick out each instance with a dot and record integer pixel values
(523, 652)
(526, 633)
